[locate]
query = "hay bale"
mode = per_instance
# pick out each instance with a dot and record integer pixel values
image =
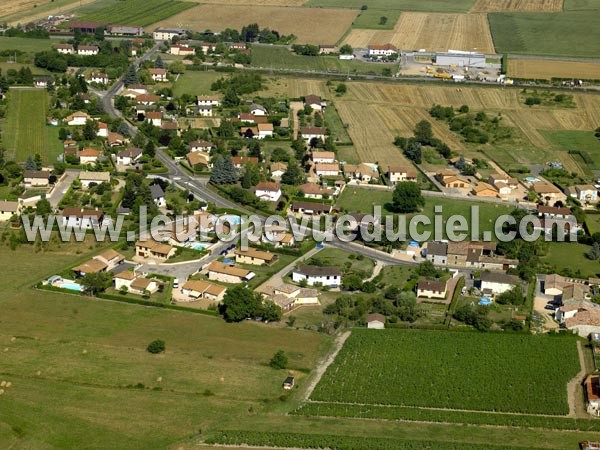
(5, 349)
(1, 391)
(2, 383)
(38, 373)
(84, 352)
(159, 379)
(8, 384)
(13, 339)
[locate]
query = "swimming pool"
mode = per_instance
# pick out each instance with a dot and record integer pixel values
(72, 286)
(485, 301)
(232, 219)
(198, 246)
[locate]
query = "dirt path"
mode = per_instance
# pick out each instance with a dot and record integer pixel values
(576, 409)
(295, 107)
(376, 270)
(324, 364)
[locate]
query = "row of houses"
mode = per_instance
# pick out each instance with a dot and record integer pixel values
(479, 255)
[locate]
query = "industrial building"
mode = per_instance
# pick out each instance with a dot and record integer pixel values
(460, 59)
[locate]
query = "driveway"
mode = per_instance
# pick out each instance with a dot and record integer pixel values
(539, 302)
(61, 187)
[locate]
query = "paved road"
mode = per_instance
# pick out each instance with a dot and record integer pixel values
(62, 186)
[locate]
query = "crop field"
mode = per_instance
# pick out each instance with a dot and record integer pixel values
(25, 130)
(377, 112)
(294, 87)
(542, 69)
(24, 11)
(431, 31)
(456, 6)
(584, 141)
(25, 44)
(132, 12)
(452, 370)
(253, 2)
(371, 19)
(309, 25)
(518, 5)
(570, 33)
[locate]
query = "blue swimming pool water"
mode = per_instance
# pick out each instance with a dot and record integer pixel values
(485, 301)
(72, 286)
(199, 246)
(235, 220)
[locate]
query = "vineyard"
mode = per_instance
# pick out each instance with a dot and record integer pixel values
(446, 416)
(331, 442)
(459, 370)
(137, 12)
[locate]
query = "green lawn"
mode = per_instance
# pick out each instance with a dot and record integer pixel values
(25, 130)
(593, 222)
(571, 255)
(576, 140)
(572, 33)
(401, 5)
(345, 261)
(371, 19)
(362, 200)
(25, 44)
(335, 125)
(348, 153)
(196, 83)
(132, 12)
(276, 57)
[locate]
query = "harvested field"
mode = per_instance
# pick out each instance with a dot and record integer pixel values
(310, 25)
(24, 11)
(547, 69)
(518, 6)
(431, 31)
(294, 87)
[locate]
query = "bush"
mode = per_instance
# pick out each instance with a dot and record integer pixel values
(156, 346)
(279, 360)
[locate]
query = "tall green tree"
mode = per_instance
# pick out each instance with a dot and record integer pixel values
(131, 76)
(407, 197)
(240, 303)
(159, 63)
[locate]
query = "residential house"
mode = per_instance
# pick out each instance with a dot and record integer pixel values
(592, 398)
(314, 191)
(264, 130)
(318, 275)
(102, 130)
(397, 174)
(43, 82)
(258, 110)
(228, 273)
(170, 126)
(158, 195)
(310, 208)
(90, 179)
(8, 210)
(82, 218)
(129, 156)
(278, 236)
(238, 46)
(314, 101)
(554, 284)
(382, 50)
(78, 118)
(450, 179)
(482, 189)
(198, 160)
(327, 170)
(310, 133)
(143, 285)
(36, 178)
(147, 99)
(85, 27)
(182, 50)
(361, 172)
(200, 146)
(196, 289)
(580, 315)
(124, 279)
(375, 321)
(432, 289)
(88, 50)
(203, 110)
(277, 169)
(116, 139)
(88, 156)
(99, 77)
(323, 157)
(255, 257)
(138, 88)
(546, 190)
(111, 258)
(166, 34)
(553, 212)
(497, 283)
(208, 100)
(208, 47)
(155, 118)
(437, 253)
(327, 49)
(65, 49)
(268, 191)
(154, 250)
(241, 161)
(585, 193)
(90, 266)
(158, 74)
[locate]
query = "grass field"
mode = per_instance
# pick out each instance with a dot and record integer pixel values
(414, 30)
(592, 222)
(518, 5)
(132, 12)
(340, 258)
(571, 255)
(572, 33)
(25, 44)
(363, 200)
(282, 58)
(25, 130)
(196, 82)
(309, 25)
(24, 11)
(576, 140)
(335, 125)
(541, 69)
(454, 370)
(371, 19)
(402, 5)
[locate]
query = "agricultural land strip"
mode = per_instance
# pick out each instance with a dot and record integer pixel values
(518, 5)
(546, 69)
(309, 25)
(455, 6)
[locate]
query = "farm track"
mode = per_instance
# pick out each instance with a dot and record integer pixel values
(575, 384)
